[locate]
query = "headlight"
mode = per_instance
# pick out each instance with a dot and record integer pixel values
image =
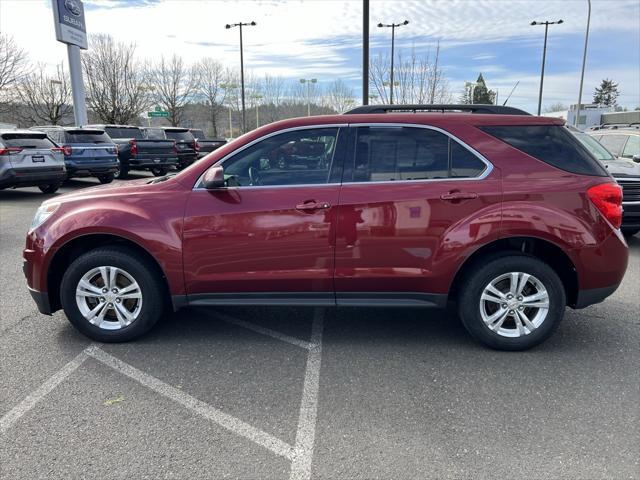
(43, 212)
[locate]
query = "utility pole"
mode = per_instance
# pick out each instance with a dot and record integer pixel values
(240, 24)
(393, 38)
(584, 62)
(544, 55)
(365, 52)
(308, 81)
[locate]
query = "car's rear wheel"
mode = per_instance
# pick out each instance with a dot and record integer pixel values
(112, 295)
(122, 172)
(106, 178)
(49, 187)
(159, 171)
(512, 302)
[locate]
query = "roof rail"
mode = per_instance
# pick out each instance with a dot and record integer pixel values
(473, 108)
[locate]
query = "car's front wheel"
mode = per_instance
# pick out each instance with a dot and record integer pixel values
(106, 178)
(49, 187)
(111, 294)
(511, 302)
(159, 171)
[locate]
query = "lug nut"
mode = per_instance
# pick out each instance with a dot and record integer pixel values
(509, 297)
(520, 308)
(118, 301)
(519, 299)
(115, 290)
(110, 305)
(504, 305)
(511, 312)
(105, 290)
(102, 299)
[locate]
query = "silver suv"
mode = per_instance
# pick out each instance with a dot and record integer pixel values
(30, 159)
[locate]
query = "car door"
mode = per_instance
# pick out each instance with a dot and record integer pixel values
(268, 236)
(411, 199)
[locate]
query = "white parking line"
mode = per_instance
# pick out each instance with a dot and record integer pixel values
(305, 437)
(267, 331)
(13, 415)
(225, 420)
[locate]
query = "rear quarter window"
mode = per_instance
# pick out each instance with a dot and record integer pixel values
(552, 144)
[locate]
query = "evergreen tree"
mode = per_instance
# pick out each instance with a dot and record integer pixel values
(606, 94)
(481, 94)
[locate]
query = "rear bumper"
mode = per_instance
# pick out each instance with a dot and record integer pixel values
(152, 162)
(87, 170)
(594, 295)
(186, 159)
(42, 301)
(27, 177)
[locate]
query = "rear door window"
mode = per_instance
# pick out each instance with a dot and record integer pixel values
(84, 136)
(552, 144)
(632, 147)
(115, 132)
(614, 143)
(27, 140)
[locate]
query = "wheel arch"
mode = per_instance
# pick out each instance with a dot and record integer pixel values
(536, 247)
(83, 244)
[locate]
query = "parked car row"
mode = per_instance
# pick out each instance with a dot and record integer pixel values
(47, 155)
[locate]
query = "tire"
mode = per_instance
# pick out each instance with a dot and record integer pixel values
(131, 266)
(158, 171)
(630, 232)
(122, 172)
(511, 333)
(106, 178)
(49, 187)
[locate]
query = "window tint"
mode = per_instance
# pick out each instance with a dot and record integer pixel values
(614, 143)
(26, 140)
(115, 132)
(180, 135)
(154, 133)
(632, 147)
(552, 144)
(408, 153)
(87, 136)
(294, 158)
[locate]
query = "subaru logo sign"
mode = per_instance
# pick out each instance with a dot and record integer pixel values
(73, 6)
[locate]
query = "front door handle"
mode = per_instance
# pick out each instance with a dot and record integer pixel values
(452, 196)
(311, 205)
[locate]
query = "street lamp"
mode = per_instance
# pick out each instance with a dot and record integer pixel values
(257, 98)
(227, 87)
(544, 55)
(388, 84)
(248, 24)
(393, 36)
(584, 62)
(308, 81)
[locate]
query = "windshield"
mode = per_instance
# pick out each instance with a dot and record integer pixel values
(84, 136)
(116, 132)
(594, 147)
(180, 135)
(197, 133)
(26, 140)
(155, 133)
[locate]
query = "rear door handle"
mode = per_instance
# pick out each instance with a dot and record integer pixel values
(459, 196)
(311, 205)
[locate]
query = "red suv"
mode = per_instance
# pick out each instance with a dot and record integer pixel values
(504, 213)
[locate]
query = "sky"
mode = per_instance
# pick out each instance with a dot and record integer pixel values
(323, 38)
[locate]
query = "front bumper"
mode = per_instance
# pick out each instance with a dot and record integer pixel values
(42, 301)
(28, 177)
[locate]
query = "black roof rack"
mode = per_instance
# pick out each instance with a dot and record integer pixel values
(476, 108)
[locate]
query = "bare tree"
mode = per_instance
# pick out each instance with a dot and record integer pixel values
(47, 99)
(174, 86)
(115, 80)
(339, 96)
(14, 66)
(211, 76)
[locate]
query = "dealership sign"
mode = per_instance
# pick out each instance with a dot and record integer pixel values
(69, 22)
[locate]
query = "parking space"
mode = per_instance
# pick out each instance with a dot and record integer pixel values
(312, 393)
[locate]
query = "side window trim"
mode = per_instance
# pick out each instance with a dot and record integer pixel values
(353, 127)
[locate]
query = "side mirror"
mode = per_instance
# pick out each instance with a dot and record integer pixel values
(214, 178)
(636, 158)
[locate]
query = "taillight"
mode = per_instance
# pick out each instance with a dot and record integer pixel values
(67, 150)
(196, 146)
(57, 150)
(134, 147)
(10, 150)
(607, 197)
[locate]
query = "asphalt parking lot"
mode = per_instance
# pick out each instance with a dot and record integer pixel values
(312, 393)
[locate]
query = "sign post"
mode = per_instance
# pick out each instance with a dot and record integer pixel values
(70, 28)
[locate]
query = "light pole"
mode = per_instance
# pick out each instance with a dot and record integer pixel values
(389, 84)
(584, 62)
(544, 55)
(308, 81)
(241, 24)
(393, 38)
(227, 87)
(257, 98)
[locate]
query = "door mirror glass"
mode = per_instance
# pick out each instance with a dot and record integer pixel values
(213, 178)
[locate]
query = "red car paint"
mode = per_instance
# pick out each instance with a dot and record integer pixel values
(387, 237)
